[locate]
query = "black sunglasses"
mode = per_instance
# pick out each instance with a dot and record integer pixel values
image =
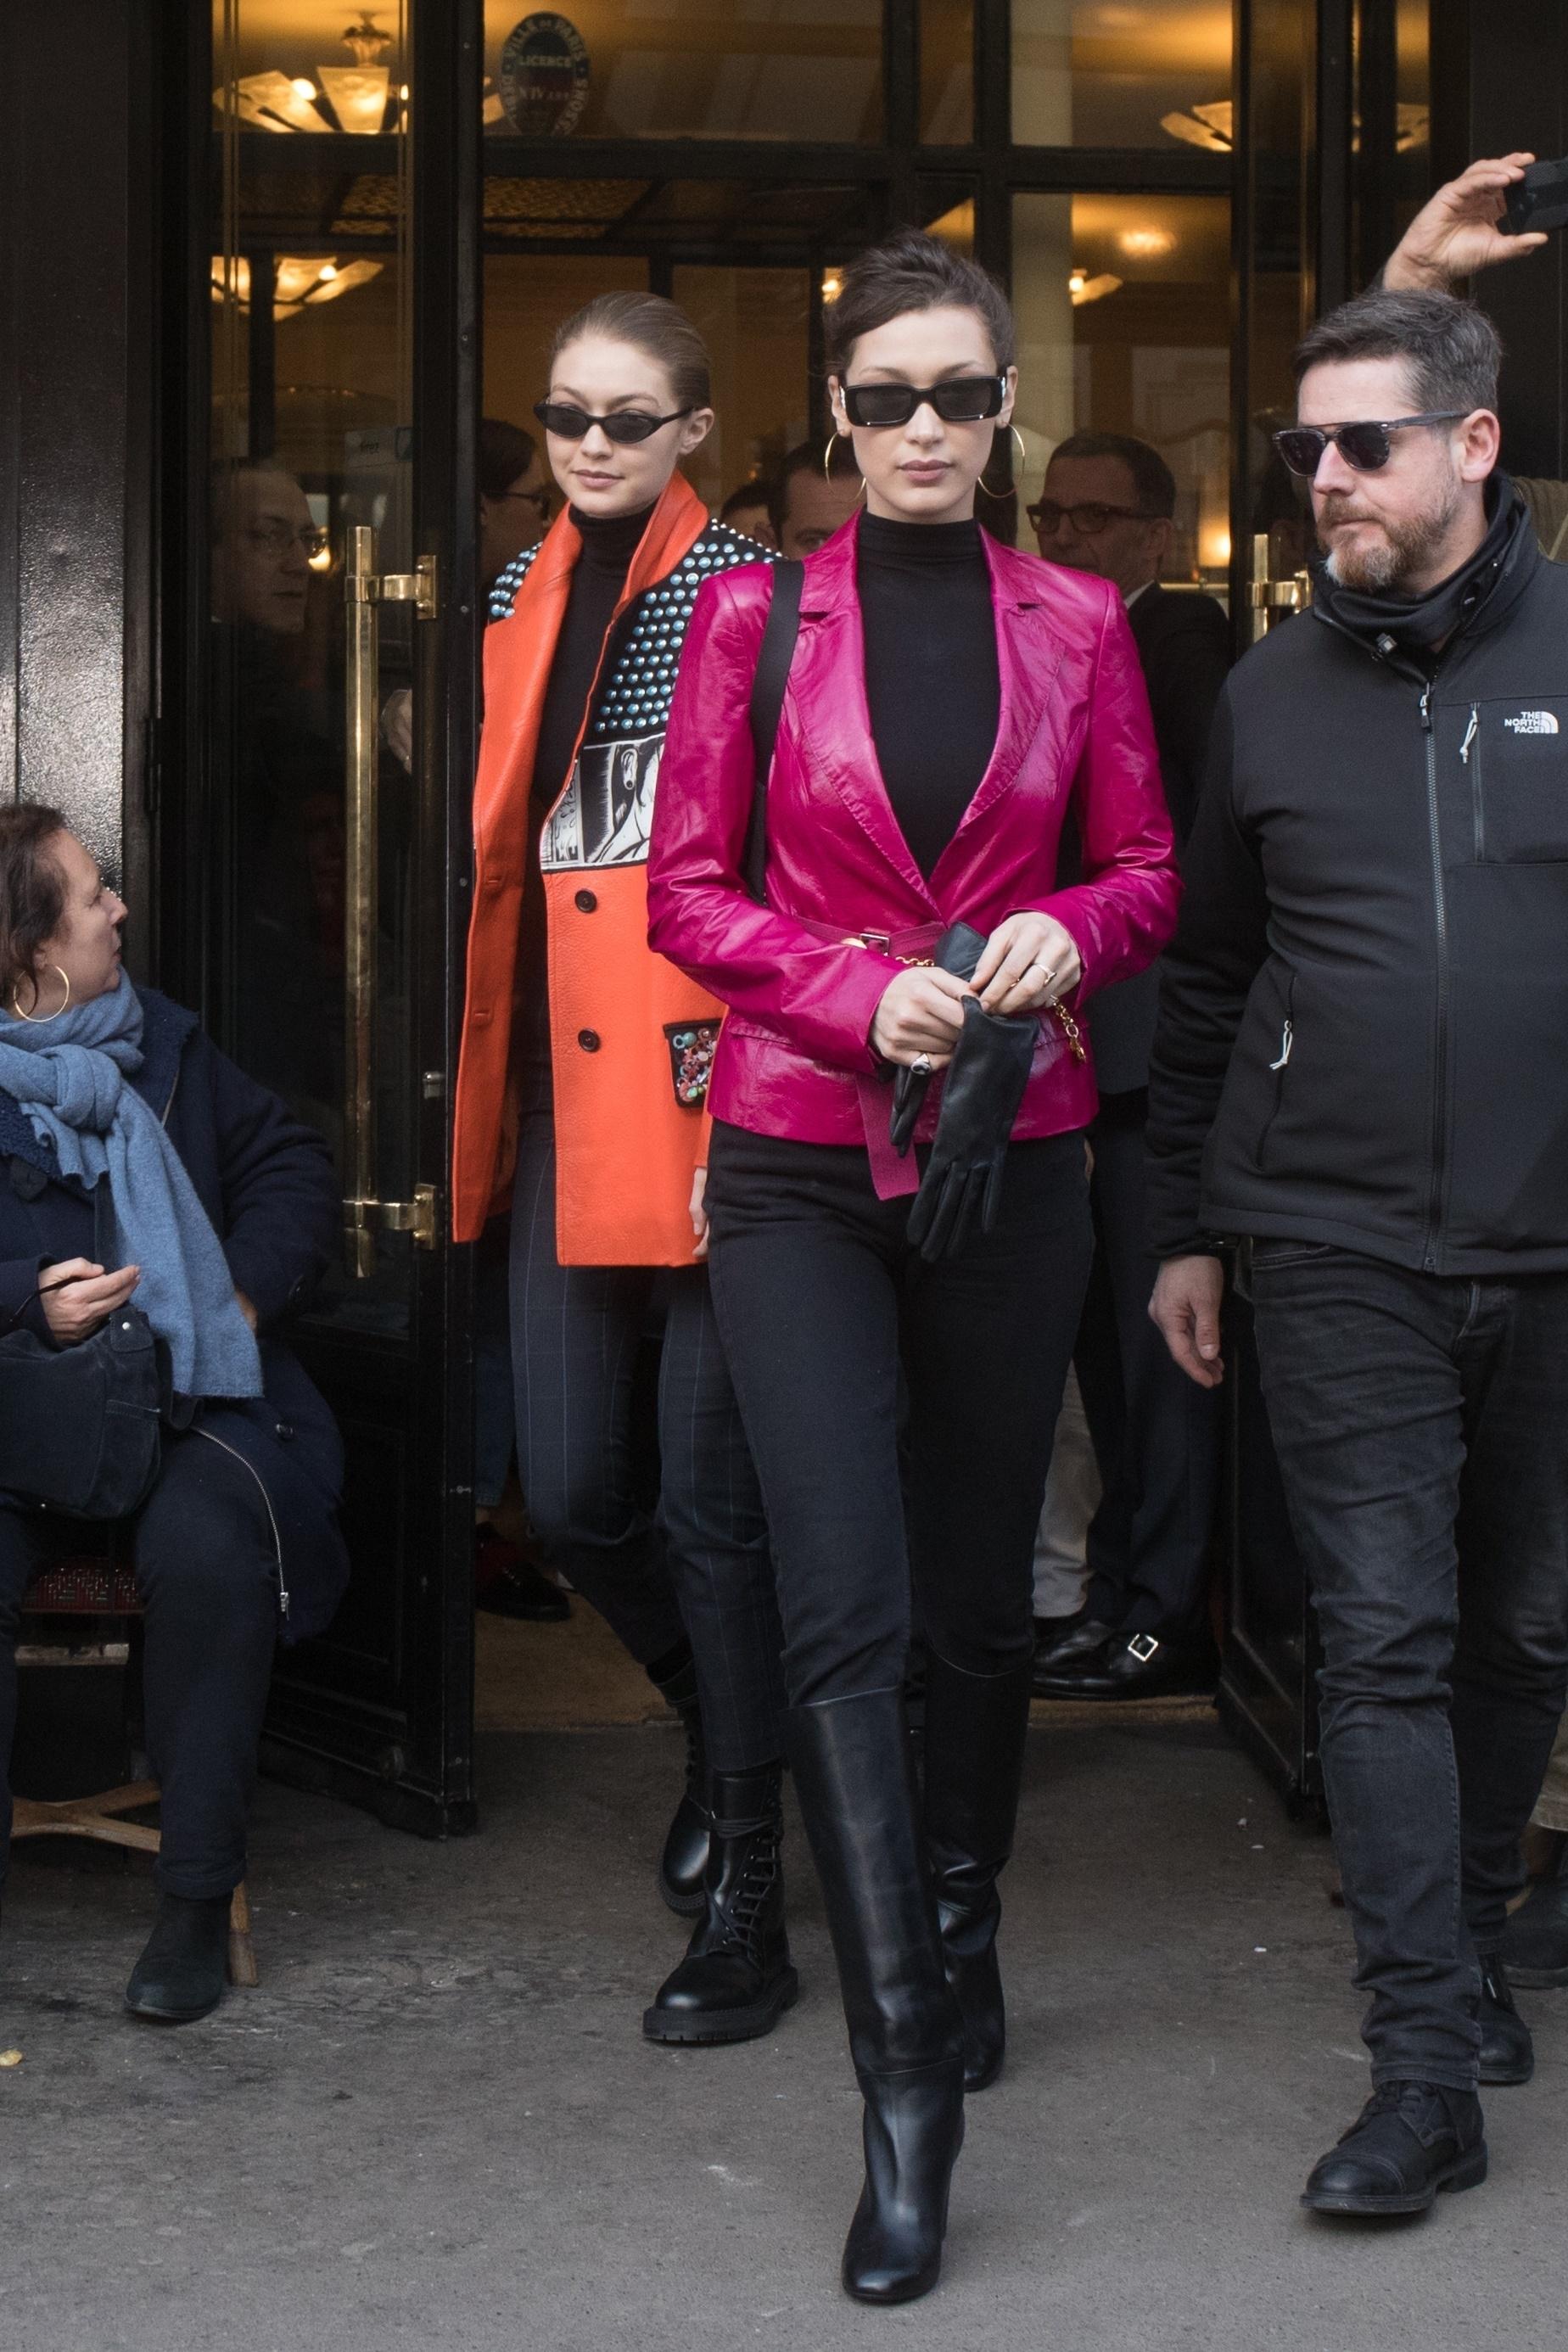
(960, 400)
(621, 426)
(1365, 446)
(1089, 520)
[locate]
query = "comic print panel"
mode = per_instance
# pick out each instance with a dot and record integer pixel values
(605, 816)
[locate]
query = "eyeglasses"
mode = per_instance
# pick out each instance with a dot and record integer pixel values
(1087, 519)
(275, 536)
(622, 425)
(959, 400)
(1365, 446)
(537, 499)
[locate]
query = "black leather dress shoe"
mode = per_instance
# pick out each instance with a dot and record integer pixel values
(1410, 2140)
(1080, 1645)
(1535, 1946)
(1138, 1665)
(508, 1584)
(1508, 2053)
(180, 1975)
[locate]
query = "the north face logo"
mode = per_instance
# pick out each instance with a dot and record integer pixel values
(1533, 722)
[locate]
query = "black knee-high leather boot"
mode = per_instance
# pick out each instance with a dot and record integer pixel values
(975, 1729)
(854, 1781)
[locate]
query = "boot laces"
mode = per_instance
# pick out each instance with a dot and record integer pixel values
(742, 1908)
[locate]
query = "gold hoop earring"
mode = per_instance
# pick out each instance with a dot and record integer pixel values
(1018, 445)
(42, 1020)
(827, 454)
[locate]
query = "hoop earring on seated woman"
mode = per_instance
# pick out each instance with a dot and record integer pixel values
(41, 1020)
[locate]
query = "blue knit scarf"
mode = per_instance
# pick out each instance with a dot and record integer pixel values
(71, 1078)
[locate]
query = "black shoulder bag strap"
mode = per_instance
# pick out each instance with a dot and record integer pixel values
(773, 657)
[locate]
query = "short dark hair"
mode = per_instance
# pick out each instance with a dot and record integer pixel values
(747, 494)
(1450, 349)
(1154, 484)
(807, 457)
(911, 271)
(505, 454)
(651, 325)
(32, 889)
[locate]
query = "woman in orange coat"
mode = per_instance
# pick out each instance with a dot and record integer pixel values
(581, 1095)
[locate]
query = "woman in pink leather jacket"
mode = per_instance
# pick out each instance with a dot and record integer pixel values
(898, 1328)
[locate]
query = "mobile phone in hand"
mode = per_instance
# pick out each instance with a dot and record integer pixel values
(1539, 201)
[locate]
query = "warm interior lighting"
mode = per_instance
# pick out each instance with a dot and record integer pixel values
(832, 285)
(1082, 288)
(322, 561)
(357, 94)
(297, 283)
(1146, 243)
(1211, 126)
(1214, 545)
(304, 88)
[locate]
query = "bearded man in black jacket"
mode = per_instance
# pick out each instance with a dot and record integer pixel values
(1359, 1074)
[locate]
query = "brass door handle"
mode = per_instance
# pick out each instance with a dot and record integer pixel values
(365, 590)
(1268, 598)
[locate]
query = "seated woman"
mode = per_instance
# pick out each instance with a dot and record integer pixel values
(137, 1163)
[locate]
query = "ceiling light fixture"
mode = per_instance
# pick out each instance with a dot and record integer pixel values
(1082, 288)
(356, 96)
(1146, 243)
(297, 283)
(1212, 127)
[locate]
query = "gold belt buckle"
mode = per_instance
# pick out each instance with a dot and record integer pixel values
(880, 943)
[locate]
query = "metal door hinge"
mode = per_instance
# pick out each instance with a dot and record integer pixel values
(416, 588)
(363, 1219)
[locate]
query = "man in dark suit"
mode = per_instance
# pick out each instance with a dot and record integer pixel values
(1107, 506)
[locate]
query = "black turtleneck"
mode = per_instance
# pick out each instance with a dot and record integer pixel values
(932, 679)
(609, 543)
(598, 580)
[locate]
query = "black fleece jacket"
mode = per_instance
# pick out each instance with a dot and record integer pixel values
(1364, 1021)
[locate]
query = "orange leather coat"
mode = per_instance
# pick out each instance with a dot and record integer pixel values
(626, 1144)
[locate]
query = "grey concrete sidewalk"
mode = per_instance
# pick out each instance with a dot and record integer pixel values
(435, 2125)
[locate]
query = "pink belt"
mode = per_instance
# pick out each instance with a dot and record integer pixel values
(891, 1177)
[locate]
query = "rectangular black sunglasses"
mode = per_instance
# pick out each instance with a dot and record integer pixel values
(1366, 447)
(622, 425)
(960, 400)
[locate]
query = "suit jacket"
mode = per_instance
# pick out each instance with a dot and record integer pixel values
(803, 975)
(1183, 644)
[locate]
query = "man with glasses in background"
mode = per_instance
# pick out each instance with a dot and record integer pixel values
(1359, 1076)
(1108, 507)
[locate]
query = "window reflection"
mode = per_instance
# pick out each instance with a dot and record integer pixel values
(947, 72)
(686, 70)
(1123, 327)
(1106, 73)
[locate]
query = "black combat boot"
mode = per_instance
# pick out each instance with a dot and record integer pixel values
(736, 1979)
(854, 1777)
(1508, 2053)
(180, 1973)
(975, 1729)
(1410, 2140)
(685, 1856)
(1535, 1946)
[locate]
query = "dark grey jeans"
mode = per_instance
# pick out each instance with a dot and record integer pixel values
(1421, 1424)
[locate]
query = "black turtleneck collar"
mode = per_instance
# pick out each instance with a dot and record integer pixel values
(1421, 624)
(610, 542)
(885, 541)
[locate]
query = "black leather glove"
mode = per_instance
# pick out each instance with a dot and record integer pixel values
(958, 950)
(985, 1082)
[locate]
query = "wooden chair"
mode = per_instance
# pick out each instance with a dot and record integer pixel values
(104, 1587)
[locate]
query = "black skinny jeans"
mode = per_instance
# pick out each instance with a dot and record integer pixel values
(821, 1301)
(1421, 1424)
(201, 1547)
(698, 1573)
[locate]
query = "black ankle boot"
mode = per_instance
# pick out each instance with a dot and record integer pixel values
(854, 1779)
(1410, 2140)
(684, 1859)
(180, 1975)
(1535, 1946)
(975, 1728)
(1508, 2053)
(736, 1981)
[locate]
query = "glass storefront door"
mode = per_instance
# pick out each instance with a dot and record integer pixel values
(342, 513)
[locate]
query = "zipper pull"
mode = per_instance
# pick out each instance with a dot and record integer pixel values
(1426, 706)
(1470, 733)
(1287, 1039)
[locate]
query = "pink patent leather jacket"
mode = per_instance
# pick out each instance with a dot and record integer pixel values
(1074, 730)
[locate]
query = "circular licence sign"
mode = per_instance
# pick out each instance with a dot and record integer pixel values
(543, 77)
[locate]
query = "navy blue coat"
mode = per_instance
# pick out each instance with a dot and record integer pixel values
(267, 1184)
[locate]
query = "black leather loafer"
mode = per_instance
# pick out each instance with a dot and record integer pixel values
(1140, 1666)
(1508, 2053)
(1410, 2140)
(1078, 1647)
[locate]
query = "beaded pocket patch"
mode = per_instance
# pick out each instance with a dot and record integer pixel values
(691, 1048)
